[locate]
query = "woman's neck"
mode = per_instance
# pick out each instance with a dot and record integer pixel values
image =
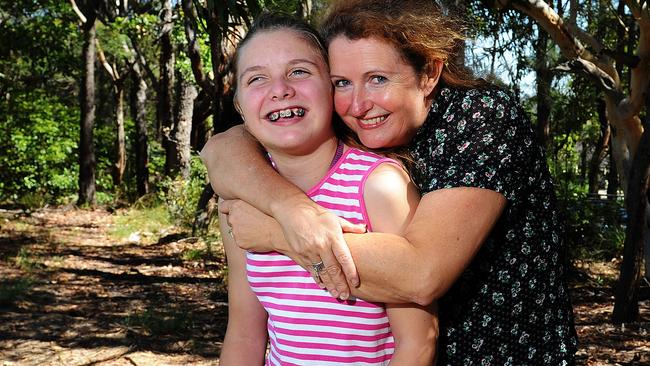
(306, 170)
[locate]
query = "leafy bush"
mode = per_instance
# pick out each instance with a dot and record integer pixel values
(181, 196)
(12, 290)
(594, 228)
(39, 155)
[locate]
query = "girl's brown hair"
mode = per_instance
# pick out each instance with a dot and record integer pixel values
(270, 21)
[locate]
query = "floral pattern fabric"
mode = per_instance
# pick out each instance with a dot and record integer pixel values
(510, 306)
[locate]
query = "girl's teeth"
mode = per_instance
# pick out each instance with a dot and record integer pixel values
(286, 113)
(298, 112)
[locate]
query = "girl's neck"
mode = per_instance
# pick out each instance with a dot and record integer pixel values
(306, 170)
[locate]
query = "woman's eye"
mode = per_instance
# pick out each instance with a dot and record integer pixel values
(378, 79)
(341, 83)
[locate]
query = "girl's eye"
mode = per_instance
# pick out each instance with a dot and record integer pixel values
(341, 83)
(299, 72)
(378, 79)
(254, 79)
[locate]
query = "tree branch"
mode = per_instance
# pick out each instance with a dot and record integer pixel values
(194, 53)
(102, 59)
(143, 61)
(78, 11)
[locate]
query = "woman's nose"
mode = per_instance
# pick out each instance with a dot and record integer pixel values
(360, 103)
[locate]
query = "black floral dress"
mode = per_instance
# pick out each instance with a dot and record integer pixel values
(510, 306)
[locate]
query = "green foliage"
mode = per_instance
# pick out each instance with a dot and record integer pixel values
(594, 228)
(14, 289)
(24, 260)
(39, 65)
(39, 155)
(160, 322)
(181, 196)
(194, 254)
(145, 221)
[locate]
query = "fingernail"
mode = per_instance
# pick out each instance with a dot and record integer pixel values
(344, 296)
(334, 293)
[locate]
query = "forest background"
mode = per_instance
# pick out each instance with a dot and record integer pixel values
(104, 106)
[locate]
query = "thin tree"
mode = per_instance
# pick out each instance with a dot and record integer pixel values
(87, 162)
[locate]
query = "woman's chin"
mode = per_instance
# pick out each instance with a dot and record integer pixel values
(373, 142)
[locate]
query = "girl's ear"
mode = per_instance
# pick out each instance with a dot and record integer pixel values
(237, 106)
(430, 80)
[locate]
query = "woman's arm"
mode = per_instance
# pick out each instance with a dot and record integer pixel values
(447, 230)
(391, 201)
(237, 168)
(442, 238)
(246, 335)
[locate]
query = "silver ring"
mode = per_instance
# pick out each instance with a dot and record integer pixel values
(318, 267)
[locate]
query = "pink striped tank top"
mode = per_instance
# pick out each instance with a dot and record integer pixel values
(306, 325)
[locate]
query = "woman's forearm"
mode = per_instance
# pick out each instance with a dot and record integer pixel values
(238, 168)
(436, 248)
(391, 269)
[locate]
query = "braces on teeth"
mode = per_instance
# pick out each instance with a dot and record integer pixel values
(286, 113)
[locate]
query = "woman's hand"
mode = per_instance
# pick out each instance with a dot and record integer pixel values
(315, 234)
(250, 228)
(309, 234)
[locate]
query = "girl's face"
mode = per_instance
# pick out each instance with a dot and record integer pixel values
(376, 93)
(284, 92)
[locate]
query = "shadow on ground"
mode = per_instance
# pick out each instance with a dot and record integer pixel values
(71, 296)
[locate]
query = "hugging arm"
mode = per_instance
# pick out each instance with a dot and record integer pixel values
(237, 168)
(391, 201)
(246, 335)
(420, 265)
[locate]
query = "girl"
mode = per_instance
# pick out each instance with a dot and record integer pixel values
(284, 94)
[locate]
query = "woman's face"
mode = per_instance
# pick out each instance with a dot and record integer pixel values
(376, 93)
(284, 92)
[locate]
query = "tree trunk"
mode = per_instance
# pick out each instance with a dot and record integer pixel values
(166, 85)
(180, 141)
(138, 109)
(637, 233)
(612, 175)
(204, 211)
(120, 142)
(600, 152)
(87, 163)
(544, 81)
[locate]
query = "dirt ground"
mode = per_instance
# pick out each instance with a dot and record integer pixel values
(70, 295)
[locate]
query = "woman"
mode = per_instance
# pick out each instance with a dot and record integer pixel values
(484, 238)
(283, 92)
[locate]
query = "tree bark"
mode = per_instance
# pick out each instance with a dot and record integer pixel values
(612, 174)
(626, 305)
(166, 85)
(600, 151)
(544, 81)
(138, 110)
(87, 162)
(180, 138)
(120, 142)
(119, 165)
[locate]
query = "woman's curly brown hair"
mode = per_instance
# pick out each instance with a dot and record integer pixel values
(418, 29)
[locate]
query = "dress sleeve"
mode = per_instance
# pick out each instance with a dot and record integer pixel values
(486, 142)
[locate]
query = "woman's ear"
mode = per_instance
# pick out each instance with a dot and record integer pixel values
(430, 80)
